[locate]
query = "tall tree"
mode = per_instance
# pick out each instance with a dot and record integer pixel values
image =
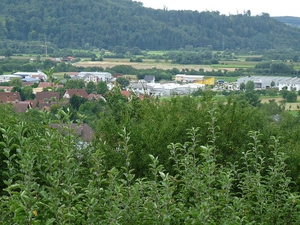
(101, 88)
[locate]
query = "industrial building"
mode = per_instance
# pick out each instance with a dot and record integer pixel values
(265, 82)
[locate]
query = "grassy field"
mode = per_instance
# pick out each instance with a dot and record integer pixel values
(293, 106)
(146, 64)
(232, 65)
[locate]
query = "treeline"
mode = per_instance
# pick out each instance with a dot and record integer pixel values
(110, 23)
(275, 68)
(184, 161)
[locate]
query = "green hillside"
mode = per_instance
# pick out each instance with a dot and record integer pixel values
(290, 20)
(109, 23)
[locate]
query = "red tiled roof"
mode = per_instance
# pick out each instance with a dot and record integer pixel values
(84, 131)
(6, 88)
(41, 96)
(73, 73)
(22, 106)
(24, 84)
(78, 92)
(94, 97)
(45, 84)
(9, 97)
(32, 102)
(125, 93)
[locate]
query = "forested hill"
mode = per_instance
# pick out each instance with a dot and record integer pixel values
(108, 23)
(290, 20)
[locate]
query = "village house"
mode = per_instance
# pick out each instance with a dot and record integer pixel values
(22, 107)
(95, 97)
(149, 79)
(10, 97)
(94, 76)
(83, 131)
(68, 59)
(79, 92)
(47, 97)
(139, 87)
(6, 88)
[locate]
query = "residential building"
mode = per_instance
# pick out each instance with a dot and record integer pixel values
(79, 92)
(9, 97)
(149, 79)
(22, 106)
(47, 97)
(6, 88)
(94, 76)
(83, 131)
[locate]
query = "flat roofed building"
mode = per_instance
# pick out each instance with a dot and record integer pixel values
(265, 82)
(188, 78)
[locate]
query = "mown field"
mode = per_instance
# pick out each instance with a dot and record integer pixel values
(146, 64)
(293, 106)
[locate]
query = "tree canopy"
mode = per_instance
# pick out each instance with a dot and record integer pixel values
(48, 25)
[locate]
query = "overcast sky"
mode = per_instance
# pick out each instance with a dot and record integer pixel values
(272, 7)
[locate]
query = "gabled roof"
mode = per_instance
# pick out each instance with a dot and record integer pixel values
(78, 92)
(45, 106)
(9, 97)
(84, 131)
(6, 88)
(33, 103)
(149, 78)
(46, 84)
(22, 106)
(116, 75)
(41, 96)
(95, 97)
(73, 73)
(24, 84)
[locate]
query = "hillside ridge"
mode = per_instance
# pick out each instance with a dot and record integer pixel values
(87, 24)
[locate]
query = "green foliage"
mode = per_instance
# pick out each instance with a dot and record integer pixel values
(20, 90)
(28, 93)
(26, 30)
(277, 67)
(291, 96)
(250, 86)
(16, 82)
(101, 88)
(74, 84)
(91, 87)
(123, 82)
(77, 101)
(242, 86)
(48, 177)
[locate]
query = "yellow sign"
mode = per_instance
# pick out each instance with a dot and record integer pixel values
(206, 81)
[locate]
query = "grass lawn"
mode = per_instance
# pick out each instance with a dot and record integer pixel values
(156, 52)
(227, 79)
(234, 64)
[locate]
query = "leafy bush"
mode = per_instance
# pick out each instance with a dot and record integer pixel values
(50, 178)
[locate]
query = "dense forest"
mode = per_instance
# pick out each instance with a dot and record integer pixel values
(105, 24)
